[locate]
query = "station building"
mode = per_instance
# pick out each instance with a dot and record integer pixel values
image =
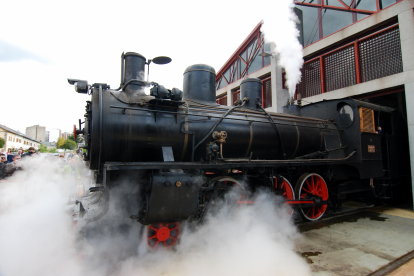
(362, 49)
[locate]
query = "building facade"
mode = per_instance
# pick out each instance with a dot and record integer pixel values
(36, 132)
(360, 49)
(16, 140)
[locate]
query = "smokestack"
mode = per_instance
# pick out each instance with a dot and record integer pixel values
(133, 71)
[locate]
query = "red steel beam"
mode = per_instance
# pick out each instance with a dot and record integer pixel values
(334, 7)
(357, 67)
(322, 74)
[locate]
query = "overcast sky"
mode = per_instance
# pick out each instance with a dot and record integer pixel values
(42, 43)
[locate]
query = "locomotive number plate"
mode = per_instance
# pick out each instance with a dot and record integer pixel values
(371, 148)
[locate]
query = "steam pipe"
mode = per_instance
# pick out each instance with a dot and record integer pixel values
(215, 125)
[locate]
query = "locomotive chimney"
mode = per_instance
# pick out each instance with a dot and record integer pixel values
(200, 84)
(133, 72)
(251, 88)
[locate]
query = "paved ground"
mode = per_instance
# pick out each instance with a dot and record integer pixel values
(358, 244)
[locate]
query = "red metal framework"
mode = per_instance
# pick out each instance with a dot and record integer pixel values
(352, 7)
(244, 61)
(371, 57)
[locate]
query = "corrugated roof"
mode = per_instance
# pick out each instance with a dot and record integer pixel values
(18, 133)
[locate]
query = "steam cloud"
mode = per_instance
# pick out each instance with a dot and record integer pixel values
(37, 236)
(280, 27)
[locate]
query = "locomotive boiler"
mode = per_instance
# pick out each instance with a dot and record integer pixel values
(181, 150)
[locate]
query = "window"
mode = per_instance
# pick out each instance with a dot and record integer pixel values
(236, 96)
(222, 100)
(320, 18)
(334, 20)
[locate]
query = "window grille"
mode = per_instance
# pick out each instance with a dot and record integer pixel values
(267, 93)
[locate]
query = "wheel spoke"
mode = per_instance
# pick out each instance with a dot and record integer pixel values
(153, 237)
(313, 181)
(309, 192)
(153, 228)
(307, 184)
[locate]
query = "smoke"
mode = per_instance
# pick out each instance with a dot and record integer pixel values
(36, 234)
(38, 237)
(279, 26)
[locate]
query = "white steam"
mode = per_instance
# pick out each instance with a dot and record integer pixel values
(37, 236)
(279, 26)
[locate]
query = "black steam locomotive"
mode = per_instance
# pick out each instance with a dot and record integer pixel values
(181, 150)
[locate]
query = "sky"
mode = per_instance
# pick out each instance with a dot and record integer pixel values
(42, 43)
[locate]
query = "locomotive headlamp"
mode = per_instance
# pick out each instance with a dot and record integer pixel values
(81, 86)
(157, 60)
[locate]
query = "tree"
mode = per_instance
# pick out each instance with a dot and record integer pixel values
(43, 148)
(79, 138)
(60, 142)
(69, 145)
(2, 142)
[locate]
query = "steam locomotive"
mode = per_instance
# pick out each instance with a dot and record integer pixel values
(181, 150)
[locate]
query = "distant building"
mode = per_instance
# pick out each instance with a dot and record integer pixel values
(36, 132)
(46, 136)
(54, 134)
(65, 135)
(15, 139)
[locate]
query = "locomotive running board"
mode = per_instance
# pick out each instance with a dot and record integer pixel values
(228, 164)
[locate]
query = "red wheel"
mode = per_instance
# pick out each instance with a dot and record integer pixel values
(312, 186)
(287, 189)
(164, 233)
(239, 192)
